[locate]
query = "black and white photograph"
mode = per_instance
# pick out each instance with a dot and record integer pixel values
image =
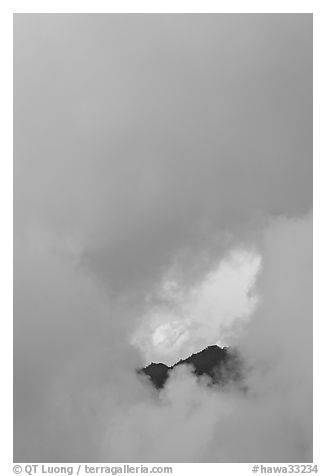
(163, 238)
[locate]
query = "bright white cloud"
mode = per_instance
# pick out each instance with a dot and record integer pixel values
(183, 319)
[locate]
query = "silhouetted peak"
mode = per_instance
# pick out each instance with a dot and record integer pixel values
(157, 365)
(220, 364)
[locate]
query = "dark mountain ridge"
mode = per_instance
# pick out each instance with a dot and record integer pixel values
(221, 365)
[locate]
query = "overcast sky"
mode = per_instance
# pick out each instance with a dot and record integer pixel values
(150, 150)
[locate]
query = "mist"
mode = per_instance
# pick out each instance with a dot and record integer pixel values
(96, 408)
(272, 421)
(163, 177)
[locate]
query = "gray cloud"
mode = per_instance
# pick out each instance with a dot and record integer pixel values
(144, 142)
(272, 421)
(82, 400)
(144, 134)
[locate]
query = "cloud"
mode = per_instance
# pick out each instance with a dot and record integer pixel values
(147, 145)
(83, 401)
(181, 320)
(272, 420)
(188, 129)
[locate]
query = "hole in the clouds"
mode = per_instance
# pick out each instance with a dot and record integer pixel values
(181, 320)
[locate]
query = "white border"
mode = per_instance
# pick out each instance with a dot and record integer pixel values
(160, 6)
